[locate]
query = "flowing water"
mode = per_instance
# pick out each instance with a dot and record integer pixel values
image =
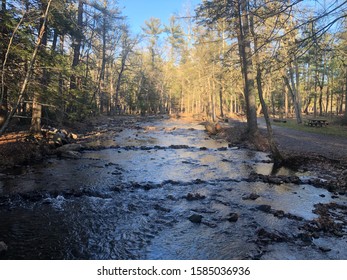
(161, 190)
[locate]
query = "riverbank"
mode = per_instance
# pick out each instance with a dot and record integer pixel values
(19, 147)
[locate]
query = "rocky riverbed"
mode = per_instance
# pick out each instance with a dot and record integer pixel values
(162, 189)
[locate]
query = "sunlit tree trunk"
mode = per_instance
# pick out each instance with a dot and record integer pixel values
(247, 66)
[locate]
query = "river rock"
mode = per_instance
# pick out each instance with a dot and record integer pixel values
(195, 218)
(305, 237)
(69, 147)
(266, 236)
(252, 196)
(279, 214)
(71, 154)
(59, 138)
(324, 249)
(275, 180)
(209, 224)
(73, 136)
(195, 196)
(264, 208)
(161, 208)
(178, 147)
(3, 246)
(338, 233)
(233, 217)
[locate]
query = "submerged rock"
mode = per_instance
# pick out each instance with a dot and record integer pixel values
(233, 217)
(3, 246)
(179, 147)
(252, 196)
(69, 147)
(195, 196)
(264, 208)
(195, 218)
(209, 224)
(279, 214)
(265, 236)
(324, 249)
(71, 154)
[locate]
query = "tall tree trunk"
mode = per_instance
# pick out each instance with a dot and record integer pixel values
(289, 81)
(321, 86)
(119, 80)
(247, 66)
(345, 114)
(101, 83)
(4, 34)
(77, 42)
(221, 89)
(61, 109)
(3, 93)
(277, 157)
(55, 41)
(5, 54)
(36, 115)
(327, 95)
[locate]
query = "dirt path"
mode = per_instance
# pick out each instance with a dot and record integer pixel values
(302, 142)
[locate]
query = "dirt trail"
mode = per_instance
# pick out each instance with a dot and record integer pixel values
(302, 142)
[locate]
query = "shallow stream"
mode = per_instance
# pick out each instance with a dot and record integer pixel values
(161, 190)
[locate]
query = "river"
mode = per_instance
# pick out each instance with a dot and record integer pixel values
(163, 189)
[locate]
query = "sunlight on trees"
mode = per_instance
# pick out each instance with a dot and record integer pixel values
(65, 60)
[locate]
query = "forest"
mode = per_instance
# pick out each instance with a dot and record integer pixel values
(68, 59)
(188, 140)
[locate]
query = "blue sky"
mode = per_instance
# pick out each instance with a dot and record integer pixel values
(137, 11)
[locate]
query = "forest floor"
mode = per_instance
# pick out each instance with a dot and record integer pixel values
(306, 151)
